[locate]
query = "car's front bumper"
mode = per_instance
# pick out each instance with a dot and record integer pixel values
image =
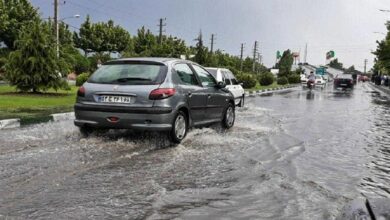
(145, 118)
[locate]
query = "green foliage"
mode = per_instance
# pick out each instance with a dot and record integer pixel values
(382, 53)
(201, 51)
(33, 66)
(266, 79)
(248, 80)
(14, 15)
(285, 63)
(282, 80)
(95, 59)
(101, 37)
(294, 78)
(81, 64)
(82, 78)
(336, 64)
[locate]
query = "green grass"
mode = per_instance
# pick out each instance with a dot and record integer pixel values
(31, 107)
(259, 87)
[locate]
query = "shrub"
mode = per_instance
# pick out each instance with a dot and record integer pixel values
(81, 79)
(282, 80)
(81, 64)
(247, 80)
(266, 79)
(294, 78)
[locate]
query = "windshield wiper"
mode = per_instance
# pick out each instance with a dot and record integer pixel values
(131, 79)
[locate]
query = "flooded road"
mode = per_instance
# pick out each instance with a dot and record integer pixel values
(294, 155)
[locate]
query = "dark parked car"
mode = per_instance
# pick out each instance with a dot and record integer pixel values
(158, 94)
(343, 82)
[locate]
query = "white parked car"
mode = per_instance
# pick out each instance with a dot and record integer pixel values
(320, 81)
(232, 84)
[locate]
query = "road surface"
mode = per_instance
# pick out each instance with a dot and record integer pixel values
(294, 155)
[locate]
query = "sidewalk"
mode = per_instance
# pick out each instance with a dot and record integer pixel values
(384, 89)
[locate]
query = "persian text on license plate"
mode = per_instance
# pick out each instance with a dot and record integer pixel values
(114, 99)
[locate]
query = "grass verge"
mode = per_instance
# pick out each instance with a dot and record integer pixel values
(31, 108)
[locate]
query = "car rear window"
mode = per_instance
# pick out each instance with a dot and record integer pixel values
(129, 74)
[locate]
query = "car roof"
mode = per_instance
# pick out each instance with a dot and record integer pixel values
(347, 76)
(164, 60)
(216, 68)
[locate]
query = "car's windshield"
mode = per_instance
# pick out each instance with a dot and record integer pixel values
(212, 71)
(132, 74)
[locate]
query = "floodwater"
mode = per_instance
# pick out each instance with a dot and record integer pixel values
(293, 155)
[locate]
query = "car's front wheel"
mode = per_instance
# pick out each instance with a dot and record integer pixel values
(242, 102)
(179, 128)
(229, 116)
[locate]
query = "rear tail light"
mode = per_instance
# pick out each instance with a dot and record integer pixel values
(161, 93)
(81, 91)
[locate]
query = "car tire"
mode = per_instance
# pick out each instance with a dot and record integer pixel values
(179, 128)
(229, 116)
(242, 102)
(85, 131)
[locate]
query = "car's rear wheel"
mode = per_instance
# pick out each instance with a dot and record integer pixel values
(179, 128)
(85, 131)
(229, 116)
(242, 102)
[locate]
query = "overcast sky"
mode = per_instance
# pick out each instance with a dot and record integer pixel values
(345, 26)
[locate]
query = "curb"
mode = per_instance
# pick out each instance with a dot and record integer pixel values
(270, 90)
(62, 116)
(380, 88)
(10, 123)
(15, 122)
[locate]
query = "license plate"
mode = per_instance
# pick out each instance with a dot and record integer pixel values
(114, 99)
(343, 84)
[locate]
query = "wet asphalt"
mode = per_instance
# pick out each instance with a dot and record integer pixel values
(292, 155)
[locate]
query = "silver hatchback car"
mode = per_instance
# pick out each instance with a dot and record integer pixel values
(157, 94)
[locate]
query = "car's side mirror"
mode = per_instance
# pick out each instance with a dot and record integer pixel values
(241, 84)
(221, 85)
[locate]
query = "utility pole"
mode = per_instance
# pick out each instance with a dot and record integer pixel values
(365, 65)
(56, 26)
(241, 56)
(161, 25)
(212, 43)
(305, 57)
(254, 57)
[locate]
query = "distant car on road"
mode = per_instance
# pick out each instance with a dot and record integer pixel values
(231, 82)
(343, 82)
(158, 94)
(320, 81)
(362, 78)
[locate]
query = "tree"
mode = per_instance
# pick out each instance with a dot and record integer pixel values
(14, 15)
(336, 64)
(201, 50)
(382, 53)
(83, 39)
(33, 66)
(285, 63)
(144, 42)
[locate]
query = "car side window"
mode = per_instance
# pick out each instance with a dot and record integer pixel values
(232, 78)
(226, 77)
(185, 74)
(205, 78)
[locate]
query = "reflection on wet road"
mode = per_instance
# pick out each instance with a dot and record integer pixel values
(294, 155)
